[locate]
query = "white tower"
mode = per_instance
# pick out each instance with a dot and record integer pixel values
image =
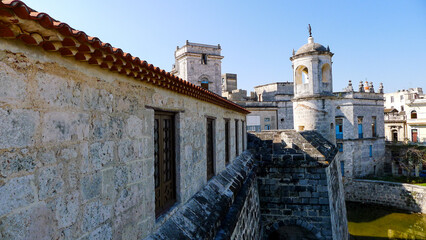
(313, 107)
(199, 64)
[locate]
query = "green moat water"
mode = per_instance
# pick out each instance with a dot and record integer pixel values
(377, 223)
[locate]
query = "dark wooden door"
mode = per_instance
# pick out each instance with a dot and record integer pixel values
(164, 165)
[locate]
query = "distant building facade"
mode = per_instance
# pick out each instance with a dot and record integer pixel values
(405, 115)
(199, 64)
(352, 119)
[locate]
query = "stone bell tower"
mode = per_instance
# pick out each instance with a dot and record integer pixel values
(313, 107)
(199, 64)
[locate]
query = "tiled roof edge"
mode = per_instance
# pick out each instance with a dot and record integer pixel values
(78, 44)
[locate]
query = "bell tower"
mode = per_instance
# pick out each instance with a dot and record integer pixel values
(199, 64)
(313, 105)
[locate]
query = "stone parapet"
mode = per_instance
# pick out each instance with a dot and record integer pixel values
(400, 195)
(227, 206)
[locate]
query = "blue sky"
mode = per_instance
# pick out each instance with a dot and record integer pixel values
(381, 41)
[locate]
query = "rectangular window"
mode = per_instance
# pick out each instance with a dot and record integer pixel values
(242, 135)
(391, 99)
(340, 147)
(339, 128)
(267, 127)
(204, 59)
(267, 120)
(236, 139)
(210, 147)
(401, 97)
(371, 150)
(374, 127)
(227, 125)
(164, 162)
(255, 128)
(402, 108)
(360, 133)
(342, 168)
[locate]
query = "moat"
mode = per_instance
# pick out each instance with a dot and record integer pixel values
(377, 222)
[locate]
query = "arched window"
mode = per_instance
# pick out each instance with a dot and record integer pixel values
(413, 114)
(326, 73)
(302, 75)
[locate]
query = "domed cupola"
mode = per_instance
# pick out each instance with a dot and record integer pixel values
(312, 69)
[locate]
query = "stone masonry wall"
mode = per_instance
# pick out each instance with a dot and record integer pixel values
(76, 148)
(403, 196)
(299, 183)
(226, 208)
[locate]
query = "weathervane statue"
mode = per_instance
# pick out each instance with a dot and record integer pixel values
(310, 30)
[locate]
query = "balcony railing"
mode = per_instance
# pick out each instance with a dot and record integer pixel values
(395, 117)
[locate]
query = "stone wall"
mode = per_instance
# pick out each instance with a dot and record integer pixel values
(226, 208)
(77, 150)
(403, 196)
(299, 183)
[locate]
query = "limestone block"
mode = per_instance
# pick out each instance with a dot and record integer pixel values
(16, 161)
(18, 127)
(107, 127)
(91, 185)
(95, 213)
(36, 222)
(136, 173)
(50, 181)
(67, 209)
(113, 179)
(134, 127)
(100, 155)
(128, 197)
(12, 85)
(127, 150)
(65, 126)
(103, 232)
(17, 192)
(98, 99)
(57, 91)
(46, 156)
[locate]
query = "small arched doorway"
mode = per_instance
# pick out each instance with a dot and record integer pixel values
(395, 135)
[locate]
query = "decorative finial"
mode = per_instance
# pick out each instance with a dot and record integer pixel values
(381, 88)
(371, 87)
(328, 50)
(293, 52)
(361, 87)
(310, 30)
(349, 88)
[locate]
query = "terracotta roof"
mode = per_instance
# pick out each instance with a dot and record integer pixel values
(18, 21)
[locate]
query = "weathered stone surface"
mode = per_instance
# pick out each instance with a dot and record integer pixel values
(103, 232)
(50, 182)
(67, 209)
(100, 155)
(58, 91)
(16, 161)
(134, 127)
(127, 150)
(12, 84)
(91, 185)
(36, 222)
(64, 126)
(95, 213)
(18, 127)
(98, 99)
(16, 193)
